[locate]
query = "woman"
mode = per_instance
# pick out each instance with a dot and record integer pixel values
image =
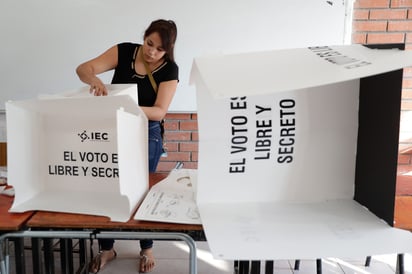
(133, 63)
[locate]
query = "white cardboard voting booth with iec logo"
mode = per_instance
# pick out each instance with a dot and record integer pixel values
(299, 148)
(78, 153)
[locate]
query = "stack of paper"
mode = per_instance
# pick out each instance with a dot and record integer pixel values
(172, 199)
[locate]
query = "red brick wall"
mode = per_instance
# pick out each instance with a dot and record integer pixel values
(181, 141)
(389, 21)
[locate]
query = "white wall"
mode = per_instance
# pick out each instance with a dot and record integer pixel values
(43, 41)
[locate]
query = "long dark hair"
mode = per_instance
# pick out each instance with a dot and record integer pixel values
(168, 32)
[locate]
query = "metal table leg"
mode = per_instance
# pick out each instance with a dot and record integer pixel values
(48, 255)
(319, 266)
(255, 267)
(82, 257)
(243, 267)
(269, 267)
(66, 256)
(36, 259)
(19, 255)
(368, 261)
(297, 265)
(400, 269)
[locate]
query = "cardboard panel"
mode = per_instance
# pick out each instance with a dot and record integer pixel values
(294, 146)
(378, 137)
(279, 231)
(67, 153)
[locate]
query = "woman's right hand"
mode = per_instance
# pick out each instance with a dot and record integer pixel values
(97, 88)
(87, 71)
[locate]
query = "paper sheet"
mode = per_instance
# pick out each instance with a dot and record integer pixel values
(172, 200)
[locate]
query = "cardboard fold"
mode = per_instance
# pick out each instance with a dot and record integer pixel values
(293, 69)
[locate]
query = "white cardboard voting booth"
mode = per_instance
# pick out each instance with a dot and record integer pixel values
(298, 152)
(78, 153)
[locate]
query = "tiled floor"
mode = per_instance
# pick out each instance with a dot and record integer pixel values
(172, 257)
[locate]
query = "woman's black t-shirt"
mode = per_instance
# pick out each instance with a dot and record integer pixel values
(125, 73)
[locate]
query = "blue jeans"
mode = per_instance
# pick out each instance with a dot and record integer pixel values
(155, 144)
(155, 152)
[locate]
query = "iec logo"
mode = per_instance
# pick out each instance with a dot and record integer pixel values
(94, 136)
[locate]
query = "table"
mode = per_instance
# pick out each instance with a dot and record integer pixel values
(59, 220)
(12, 222)
(99, 227)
